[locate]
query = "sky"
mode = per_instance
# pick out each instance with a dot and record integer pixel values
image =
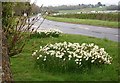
(73, 2)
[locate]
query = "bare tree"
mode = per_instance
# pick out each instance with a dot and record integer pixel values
(19, 30)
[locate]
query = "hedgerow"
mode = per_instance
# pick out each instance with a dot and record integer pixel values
(97, 16)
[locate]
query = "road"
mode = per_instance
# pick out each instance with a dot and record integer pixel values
(87, 30)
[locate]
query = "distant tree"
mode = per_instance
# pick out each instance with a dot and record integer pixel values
(82, 4)
(35, 9)
(99, 4)
(21, 8)
(112, 7)
(103, 5)
(90, 5)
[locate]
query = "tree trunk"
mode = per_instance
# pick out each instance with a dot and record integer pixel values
(6, 72)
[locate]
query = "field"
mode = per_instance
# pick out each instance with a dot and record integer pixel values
(83, 10)
(24, 69)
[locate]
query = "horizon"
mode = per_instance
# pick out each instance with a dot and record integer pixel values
(70, 2)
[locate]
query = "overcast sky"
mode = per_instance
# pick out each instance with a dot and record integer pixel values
(73, 2)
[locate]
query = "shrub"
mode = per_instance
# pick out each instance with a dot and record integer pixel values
(17, 29)
(70, 57)
(47, 33)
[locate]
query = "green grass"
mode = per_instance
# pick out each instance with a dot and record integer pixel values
(23, 65)
(83, 10)
(85, 21)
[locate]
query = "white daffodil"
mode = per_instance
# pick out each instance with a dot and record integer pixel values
(47, 53)
(69, 58)
(60, 56)
(83, 44)
(34, 53)
(100, 61)
(74, 51)
(79, 63)
(36, 50)
(96, 47)
(40, 47)
(64, 59)
(80, 60)
(78, 56)
(38, 57)
(86, 58)
(92, 61)
(44, 59)
(76, 60)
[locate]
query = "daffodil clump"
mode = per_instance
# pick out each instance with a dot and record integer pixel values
(47, 33)
(71, 55)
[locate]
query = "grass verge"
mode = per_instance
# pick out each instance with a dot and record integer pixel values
(85, 21)
(23, 65)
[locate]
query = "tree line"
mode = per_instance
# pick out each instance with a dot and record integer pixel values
(81, 6)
